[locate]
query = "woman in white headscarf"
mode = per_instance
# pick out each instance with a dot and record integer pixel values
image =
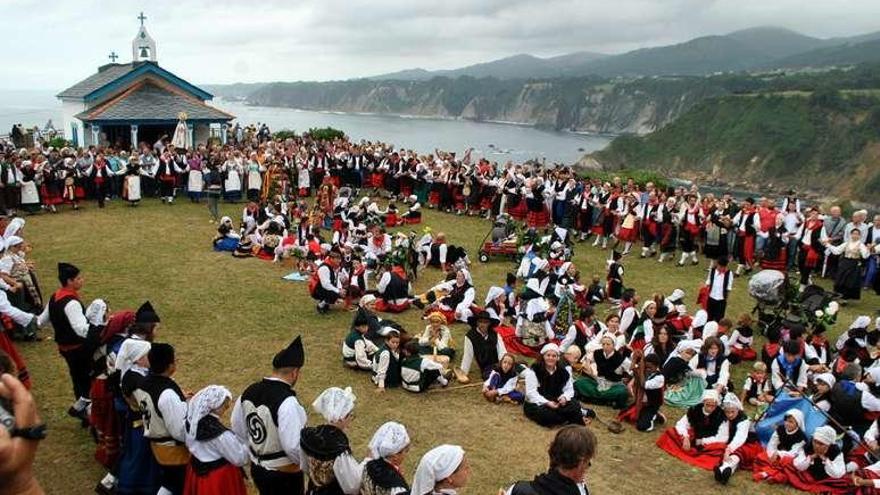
(217, 453)
(550, 391)
(388, 448)
(331, 467)
(442, 470)
(138, 471)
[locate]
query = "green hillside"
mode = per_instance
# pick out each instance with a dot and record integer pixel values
(822, 140)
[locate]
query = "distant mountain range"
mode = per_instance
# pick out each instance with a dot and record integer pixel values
(760, 48)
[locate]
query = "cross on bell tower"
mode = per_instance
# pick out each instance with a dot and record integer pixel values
(113, 56)
(143, 47)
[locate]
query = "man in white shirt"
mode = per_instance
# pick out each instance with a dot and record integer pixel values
(720, 283)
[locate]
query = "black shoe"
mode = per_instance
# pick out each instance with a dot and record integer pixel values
(82, 416)
(717, 472)
(418, 303)
(724, 475)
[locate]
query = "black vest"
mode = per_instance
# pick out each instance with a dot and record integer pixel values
(817, 466)
(606, 366)
(846, 404)
(551, 483)
(788, 440)
(704, 426)
(154, 386)
(397, 288)
(64, 333)
(485, 348)
(551, 386)
(654, 396)
(392, 375)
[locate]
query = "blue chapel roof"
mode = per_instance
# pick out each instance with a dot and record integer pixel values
(113, 78)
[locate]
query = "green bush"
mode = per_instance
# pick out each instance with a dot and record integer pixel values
(285, 134)
(58, 142)
(325, 134)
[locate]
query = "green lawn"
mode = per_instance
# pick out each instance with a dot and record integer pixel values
(227, 317)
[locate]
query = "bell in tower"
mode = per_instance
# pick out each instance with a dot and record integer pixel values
(143, 47)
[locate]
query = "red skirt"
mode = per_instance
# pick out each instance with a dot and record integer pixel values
(748, 249)
(412, 219)
(335, 180)
(518, 211)
(105, 421)
(537, 219)
(49, 196)
(783, 471)
(9, 348)
(390, 220)
(486, 202)
(386, 307)
(434, 198)
(706, 458)
(405, 188)
(628, 235)
(226, 480)
(377, 180)
(744, 354)
(514, 345)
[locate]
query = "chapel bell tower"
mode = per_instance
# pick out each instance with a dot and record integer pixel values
(143, 47)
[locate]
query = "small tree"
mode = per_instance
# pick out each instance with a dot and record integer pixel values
(325, 134)
(285, 134)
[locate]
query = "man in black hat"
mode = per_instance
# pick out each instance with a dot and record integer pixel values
(482, 344)
(270, 417)
(74, 335)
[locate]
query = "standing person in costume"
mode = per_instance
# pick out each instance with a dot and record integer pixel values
(332, 468)
(811, 248)
(615, 277)
(383, 473)
(848, 279)
(571, 454)
(138, 472)
(441, 471)
(719, 284)
(270, 417)
(218, 454)
(163, 405)
(550, 391)
(73, 334)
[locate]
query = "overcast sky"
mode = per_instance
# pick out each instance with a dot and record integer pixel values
(53, 44)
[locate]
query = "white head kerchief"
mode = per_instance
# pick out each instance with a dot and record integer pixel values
(13, 240)
(710, 394)
(96, 312)
(130, 351)
(550, 347)
(825, 434)
(861, 322)
(700, 319)
(388, 440)
(334, 403)
(798, 417)
(493, 294)
(436, 465)
(826, 378)
(13, 227)
(202, 404)
(731, 400)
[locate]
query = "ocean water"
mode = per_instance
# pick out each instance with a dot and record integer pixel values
(498, 142)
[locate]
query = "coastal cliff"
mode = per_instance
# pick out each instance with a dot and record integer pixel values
(576, 104)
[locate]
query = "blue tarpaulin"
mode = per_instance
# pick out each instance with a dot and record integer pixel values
(776, 414)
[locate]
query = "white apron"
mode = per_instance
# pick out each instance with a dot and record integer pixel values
(133, 187)
(29, 193)
(195, 182)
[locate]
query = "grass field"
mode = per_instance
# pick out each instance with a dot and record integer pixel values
(227, 317)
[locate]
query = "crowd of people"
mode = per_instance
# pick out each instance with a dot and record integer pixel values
(331, 205)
